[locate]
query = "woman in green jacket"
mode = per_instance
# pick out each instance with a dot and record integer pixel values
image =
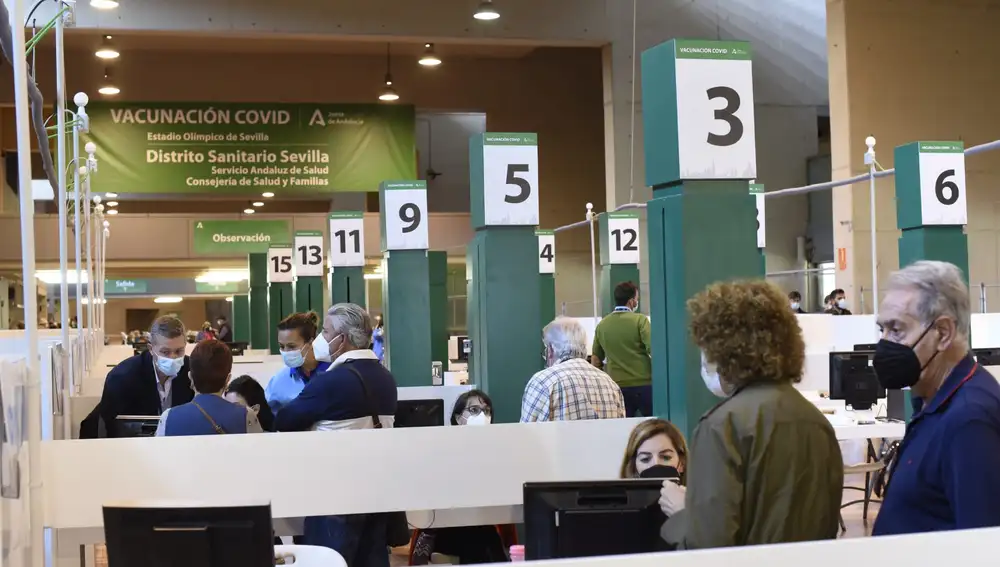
(765, 465)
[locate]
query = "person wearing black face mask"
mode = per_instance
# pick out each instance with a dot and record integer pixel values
(946, 473)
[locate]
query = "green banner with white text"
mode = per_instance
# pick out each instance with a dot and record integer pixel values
(166, 148)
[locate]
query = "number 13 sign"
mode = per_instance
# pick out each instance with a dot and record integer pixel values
(509, 195)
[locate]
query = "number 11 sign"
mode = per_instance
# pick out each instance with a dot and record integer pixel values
(347, 239)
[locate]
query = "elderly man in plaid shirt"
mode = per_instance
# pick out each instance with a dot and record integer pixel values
(569, 387)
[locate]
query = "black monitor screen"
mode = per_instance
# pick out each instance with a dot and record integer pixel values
(419, 413)
(987, 356)
(585, 519)
(136, 425)
(238, 536)
(852, 379)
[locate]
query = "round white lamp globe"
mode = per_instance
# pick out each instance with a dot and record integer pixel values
(870, 141)
(81, 99)
(90, 148)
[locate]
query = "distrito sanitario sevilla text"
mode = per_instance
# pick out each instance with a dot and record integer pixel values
(237, 156)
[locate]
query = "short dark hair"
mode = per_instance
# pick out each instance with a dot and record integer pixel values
(168, 327)
(837, 292)
(251, 391)
(307, 324)
(210, 366)
(463, 402)
(625, 292)
(795, 296)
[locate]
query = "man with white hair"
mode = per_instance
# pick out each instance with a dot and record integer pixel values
(355, 392)
(569, 387)
(946, 473)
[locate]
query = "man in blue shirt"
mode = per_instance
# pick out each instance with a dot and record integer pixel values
(946, 473)
(295, 336)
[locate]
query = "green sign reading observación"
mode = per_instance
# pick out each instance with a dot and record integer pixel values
(251, 148)
(238, 237)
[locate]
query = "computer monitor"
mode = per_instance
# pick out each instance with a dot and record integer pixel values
(852, 379)
(152, 535)
(136, 425)
(865, 347)
(419, 413)
(986, 356)
(585, 519)
(238, 348)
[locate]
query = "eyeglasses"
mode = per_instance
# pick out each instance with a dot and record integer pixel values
(476, 410)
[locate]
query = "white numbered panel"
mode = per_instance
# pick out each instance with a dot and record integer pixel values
(757, 191)
(942, 184)
(510, 183)
(623, 238)
(715, 115)
(308, 254)
(546, 252)
(347, 240)
(406, 219)
(279, 265)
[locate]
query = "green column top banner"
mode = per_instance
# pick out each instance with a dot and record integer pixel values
(238, 237)
(193, 147)
(114, 287)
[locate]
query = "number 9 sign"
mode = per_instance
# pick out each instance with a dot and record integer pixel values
(404, 215)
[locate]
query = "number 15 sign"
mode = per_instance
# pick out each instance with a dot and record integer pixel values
(698, 111)
(504, 179)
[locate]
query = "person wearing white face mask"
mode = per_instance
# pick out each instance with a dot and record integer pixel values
(296, 334)
(150, 382)
(765, 465)
(356, 392)
(838, 303)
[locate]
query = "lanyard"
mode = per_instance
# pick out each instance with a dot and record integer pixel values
(622, 309)
(891, 467)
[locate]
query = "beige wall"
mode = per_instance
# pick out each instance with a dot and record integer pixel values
(919, 70)
(192, 311)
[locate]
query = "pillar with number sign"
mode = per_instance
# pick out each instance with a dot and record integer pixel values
(309, 268)
(931, 203)
(757, 190)
(437, 269)
(280, 275)
(546, 276)
(347, 257)
(503, 170)
(619, 236)
(698, 118)
(258, 268)
(406, 308)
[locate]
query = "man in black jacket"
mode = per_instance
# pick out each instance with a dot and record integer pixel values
(150, 382)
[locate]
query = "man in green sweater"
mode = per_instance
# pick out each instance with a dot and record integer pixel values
(622, 347)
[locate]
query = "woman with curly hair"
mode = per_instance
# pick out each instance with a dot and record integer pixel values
(765, 465)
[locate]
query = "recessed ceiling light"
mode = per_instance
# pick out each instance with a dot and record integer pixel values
(107, 49)
(267, 194)
(112, 203)
(104, 4)
(258, 203)
(249, 211)
(112, 211)
(168, 299)
(486, 11)
(109, 90)
(111, 195)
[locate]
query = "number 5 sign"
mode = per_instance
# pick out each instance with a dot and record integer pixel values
(504, 176)
(705, 89)
(930, 184)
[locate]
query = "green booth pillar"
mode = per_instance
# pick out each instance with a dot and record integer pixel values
(257, 301)
(347, 256)
(280, 296)
(546, 276)
(698, 117)
(437, 269)
(309, 271)
(406, 303)
(505, 295)
(619, 239)
(931, 208)
(241, 318)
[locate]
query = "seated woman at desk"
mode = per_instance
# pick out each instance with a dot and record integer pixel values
(471, 544)
(208, 413)
(248, 392)
(653, 446)
(295, 336)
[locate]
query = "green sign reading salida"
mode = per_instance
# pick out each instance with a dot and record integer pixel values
(118, 287)
(238, 237)
(251, 148)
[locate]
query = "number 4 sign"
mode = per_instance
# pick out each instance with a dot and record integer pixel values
(546, 251)
(623, 238)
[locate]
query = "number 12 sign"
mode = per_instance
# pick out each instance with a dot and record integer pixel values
(623, 238)
(347, 239)
(404, 215)
(509, 195)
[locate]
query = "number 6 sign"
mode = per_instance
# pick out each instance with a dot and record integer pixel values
(942, 183)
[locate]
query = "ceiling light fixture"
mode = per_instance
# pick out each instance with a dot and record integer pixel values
(104, 4)
(229, 299)
(249, 211)
(388, 93)
(258, 203)
(168, 299)
(107, 49)
(220, 276)
(111, 195)
(113, 212)
(373, 276)
(108, 87)
(267, 194)
(112, 203)
(55, 276)
(429, 59)
(486, 11)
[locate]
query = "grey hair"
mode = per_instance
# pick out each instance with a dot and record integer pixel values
(353, 322)
(168, 327)
(942, 290)
(566, 337)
